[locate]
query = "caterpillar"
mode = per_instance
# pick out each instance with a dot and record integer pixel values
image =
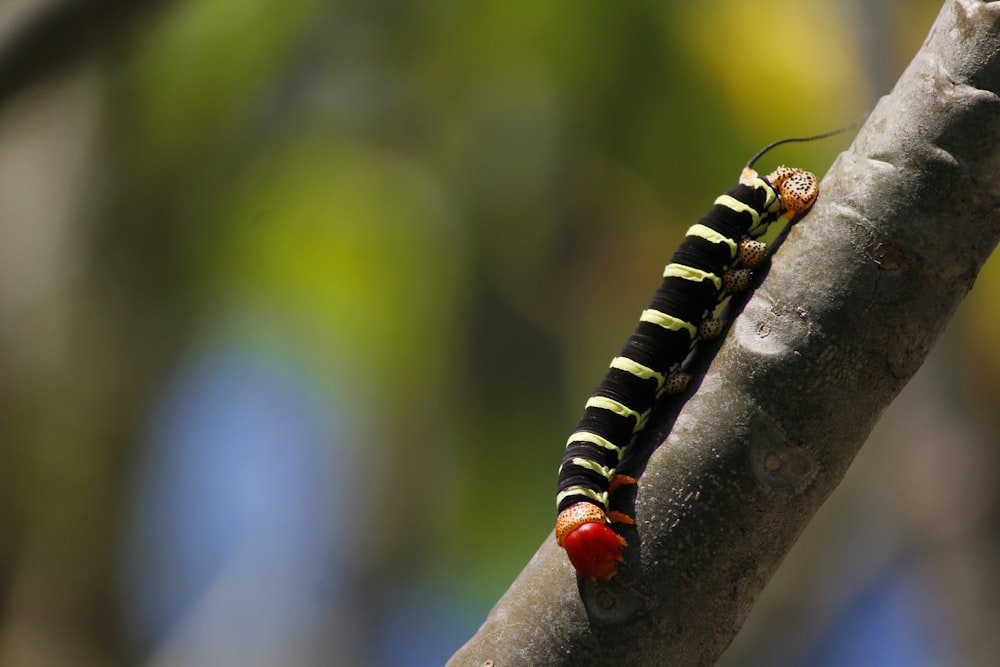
(713, 261)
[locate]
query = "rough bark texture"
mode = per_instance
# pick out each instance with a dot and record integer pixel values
(852, 305)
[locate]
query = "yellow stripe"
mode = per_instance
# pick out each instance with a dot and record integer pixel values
(712, 236)
(593, 466)
(614, 406)
(640, 371)
(691, 273)
(736, 205)
(771, 202)
(600, 498)
(668, 321)
(594, 439)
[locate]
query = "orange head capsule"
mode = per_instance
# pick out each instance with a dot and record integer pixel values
(798, 189)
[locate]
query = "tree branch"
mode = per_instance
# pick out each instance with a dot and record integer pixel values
(61, 35)
(853, 303)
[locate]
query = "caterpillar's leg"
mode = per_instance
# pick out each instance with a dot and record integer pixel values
(737, 280)
(751, 252)
(615, 516)
(749, 255)
(675, 383)
(710, 328)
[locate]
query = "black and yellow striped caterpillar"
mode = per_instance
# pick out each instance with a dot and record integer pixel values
(713, 261)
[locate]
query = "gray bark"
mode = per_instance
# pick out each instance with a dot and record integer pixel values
(852, 304)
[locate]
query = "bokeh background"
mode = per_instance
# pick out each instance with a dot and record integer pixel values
(299, 300)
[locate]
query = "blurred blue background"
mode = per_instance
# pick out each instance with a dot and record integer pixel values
(299, 301)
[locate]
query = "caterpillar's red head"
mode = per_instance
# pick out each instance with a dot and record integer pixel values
(593, 548)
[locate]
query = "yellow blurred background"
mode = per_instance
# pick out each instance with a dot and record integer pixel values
(299, 300)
